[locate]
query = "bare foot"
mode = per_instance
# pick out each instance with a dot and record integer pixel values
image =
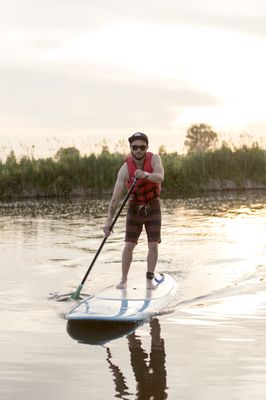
(150, 284)
(122, 285)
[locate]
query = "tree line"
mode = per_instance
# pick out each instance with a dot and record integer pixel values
(68, 173)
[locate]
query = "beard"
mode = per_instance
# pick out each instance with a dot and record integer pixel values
(138, 156)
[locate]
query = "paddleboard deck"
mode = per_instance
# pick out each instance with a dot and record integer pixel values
(133, 304)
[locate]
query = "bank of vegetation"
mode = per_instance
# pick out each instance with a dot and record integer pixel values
(70, 174)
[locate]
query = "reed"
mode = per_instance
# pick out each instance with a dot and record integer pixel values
(69, 174)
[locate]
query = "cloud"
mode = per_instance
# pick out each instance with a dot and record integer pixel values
(116, 65)
(245, 16)
(67, 100)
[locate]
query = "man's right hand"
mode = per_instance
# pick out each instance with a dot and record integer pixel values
(106, 229)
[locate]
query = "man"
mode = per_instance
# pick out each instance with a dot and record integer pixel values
(144, 204)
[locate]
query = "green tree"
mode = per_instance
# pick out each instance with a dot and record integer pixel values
(67, 153)
(200, 137)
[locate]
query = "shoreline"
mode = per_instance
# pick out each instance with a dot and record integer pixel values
(214, 186)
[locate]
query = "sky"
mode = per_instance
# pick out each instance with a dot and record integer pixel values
(75, 73)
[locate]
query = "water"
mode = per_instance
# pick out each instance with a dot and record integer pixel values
(211, 344)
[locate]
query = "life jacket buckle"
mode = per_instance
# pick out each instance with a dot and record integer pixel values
(143, 207)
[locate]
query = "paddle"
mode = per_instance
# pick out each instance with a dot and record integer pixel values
(76, 294)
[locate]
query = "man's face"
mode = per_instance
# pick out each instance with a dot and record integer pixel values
(138, 149)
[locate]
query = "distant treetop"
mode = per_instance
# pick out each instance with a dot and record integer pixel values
(200, 137)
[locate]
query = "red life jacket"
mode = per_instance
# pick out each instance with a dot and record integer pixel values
(144, 190)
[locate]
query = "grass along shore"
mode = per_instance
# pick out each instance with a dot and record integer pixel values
(69, 174)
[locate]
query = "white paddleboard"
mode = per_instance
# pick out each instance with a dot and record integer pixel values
(133, 304)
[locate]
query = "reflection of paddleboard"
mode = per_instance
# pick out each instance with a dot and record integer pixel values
(136, 303)
(99, 333)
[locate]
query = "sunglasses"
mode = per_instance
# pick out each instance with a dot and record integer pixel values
(135, 147)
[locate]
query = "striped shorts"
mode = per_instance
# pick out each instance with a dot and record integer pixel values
(148, 215)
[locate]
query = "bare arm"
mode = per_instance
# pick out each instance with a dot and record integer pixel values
(158, 172)
(119, 188)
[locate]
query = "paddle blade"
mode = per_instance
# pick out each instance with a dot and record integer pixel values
(76, 294)
(67, 297)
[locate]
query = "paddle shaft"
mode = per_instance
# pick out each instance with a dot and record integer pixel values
(76, 294)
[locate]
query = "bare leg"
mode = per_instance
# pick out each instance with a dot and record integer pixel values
(151, 262)
(126, 262)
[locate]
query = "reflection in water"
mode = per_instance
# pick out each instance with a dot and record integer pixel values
(149, 371)
(119, 379)
(215, 246)
(91, 332)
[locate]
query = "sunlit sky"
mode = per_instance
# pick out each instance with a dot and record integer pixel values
(76, 72)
